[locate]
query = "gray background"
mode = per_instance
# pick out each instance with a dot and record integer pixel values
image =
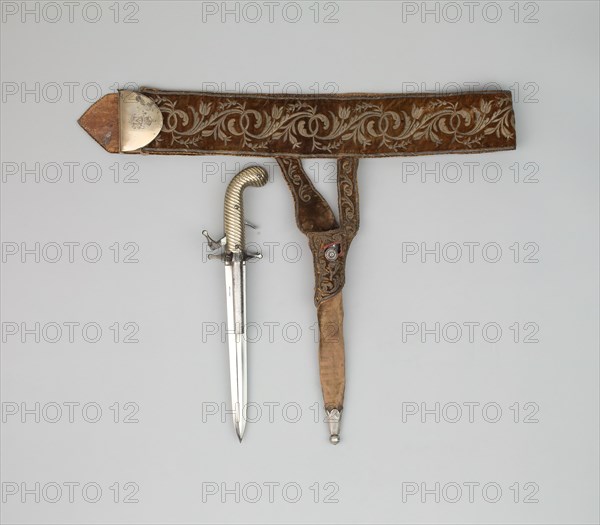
(546, 52)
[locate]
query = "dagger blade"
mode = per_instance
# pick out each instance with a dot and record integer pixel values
(235, 286)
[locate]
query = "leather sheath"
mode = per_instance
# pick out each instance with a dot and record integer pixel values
(346, 127)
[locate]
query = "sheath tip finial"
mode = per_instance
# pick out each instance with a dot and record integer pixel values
(333, 420)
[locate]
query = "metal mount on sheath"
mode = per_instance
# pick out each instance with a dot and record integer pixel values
(333, 420)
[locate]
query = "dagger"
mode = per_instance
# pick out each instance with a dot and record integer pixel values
(234, 257)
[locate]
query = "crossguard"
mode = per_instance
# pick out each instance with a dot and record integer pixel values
(224, 256)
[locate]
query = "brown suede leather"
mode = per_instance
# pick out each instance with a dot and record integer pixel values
(101, 121)
(332, 362)
(313, 213)
(352, 125)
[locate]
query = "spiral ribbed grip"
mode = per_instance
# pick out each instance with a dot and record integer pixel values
(234, 206)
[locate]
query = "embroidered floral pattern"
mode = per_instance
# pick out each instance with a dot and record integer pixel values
(299, 125)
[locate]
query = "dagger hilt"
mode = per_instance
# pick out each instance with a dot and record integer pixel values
(234, 206)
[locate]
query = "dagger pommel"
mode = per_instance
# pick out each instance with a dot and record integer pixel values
(234, 206)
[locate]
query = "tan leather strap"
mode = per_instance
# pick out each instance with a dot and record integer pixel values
(332, 358)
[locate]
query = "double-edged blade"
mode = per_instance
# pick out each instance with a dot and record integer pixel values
(235, 288)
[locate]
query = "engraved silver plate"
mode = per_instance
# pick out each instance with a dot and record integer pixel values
(140, 120)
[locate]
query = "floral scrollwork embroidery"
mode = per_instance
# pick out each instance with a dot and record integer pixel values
(300, 125)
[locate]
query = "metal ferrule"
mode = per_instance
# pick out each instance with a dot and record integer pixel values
(333, 420)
